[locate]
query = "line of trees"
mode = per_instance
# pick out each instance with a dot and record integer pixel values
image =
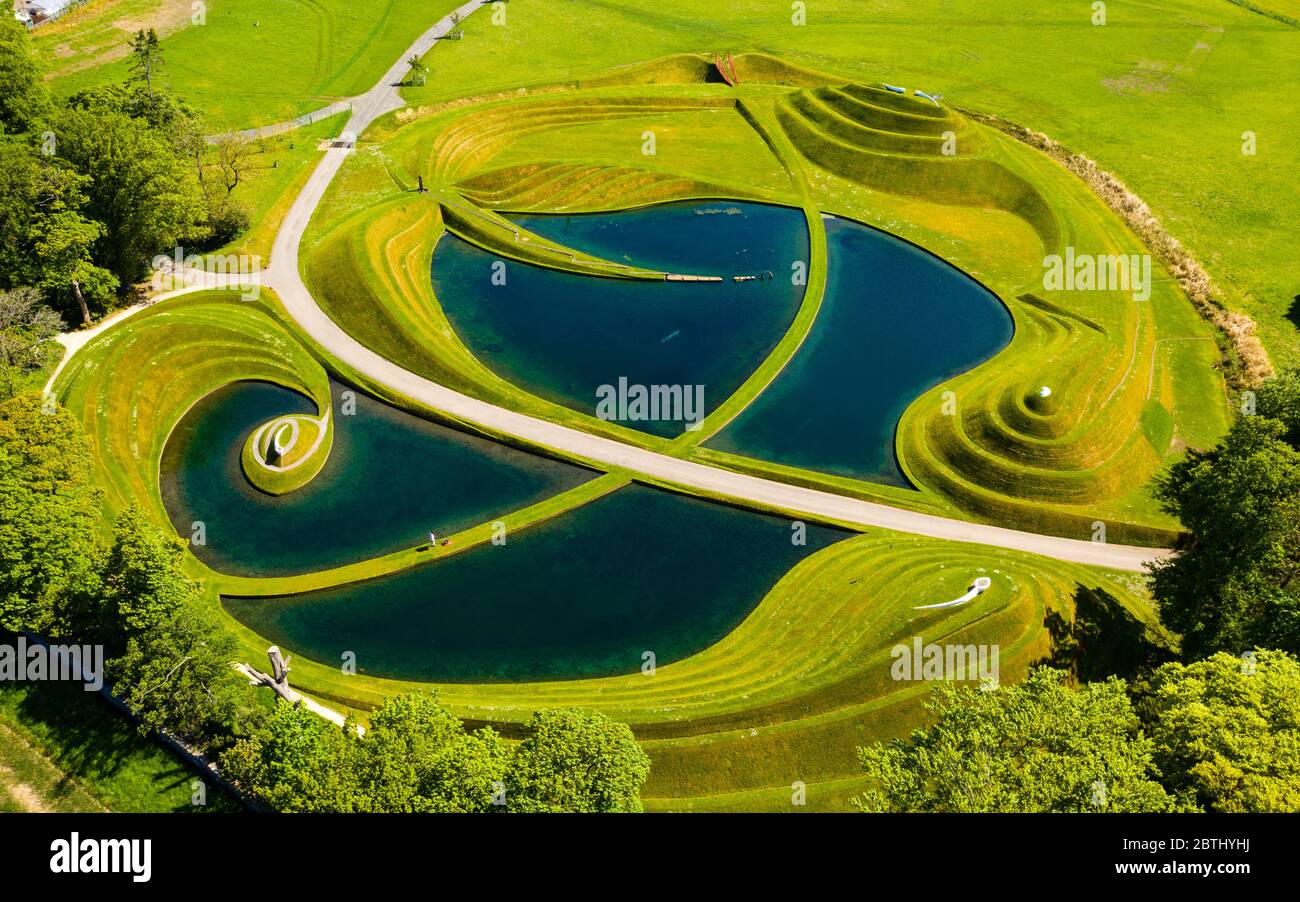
(1218, 730)
(169, 658)
(416, 756)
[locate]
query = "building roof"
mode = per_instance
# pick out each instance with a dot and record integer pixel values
(47, 6)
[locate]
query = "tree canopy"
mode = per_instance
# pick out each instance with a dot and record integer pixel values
(417, 756)
(1234, 586)
(27, 332)
(24, 99)
(1227, 730)
(48, 513)
(576, 760)
(93, 187)
(1037, 746)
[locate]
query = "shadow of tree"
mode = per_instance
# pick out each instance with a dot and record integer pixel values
(1293, 313)
(1104, 639)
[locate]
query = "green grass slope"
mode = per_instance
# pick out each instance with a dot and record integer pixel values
(64, 749)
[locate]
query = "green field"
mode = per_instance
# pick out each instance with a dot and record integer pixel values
(250, 63)
(64, 749)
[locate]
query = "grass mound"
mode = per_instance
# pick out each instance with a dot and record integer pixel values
(904, 145)
(286, 453)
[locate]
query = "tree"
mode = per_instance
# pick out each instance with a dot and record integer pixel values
(1235, 586)
(45, 238)
(27, 332)
(171, 656)
(418, 72)
(146, 58)
(1279, 399)
(415, 757)
(176, 675)
(48, 513)
(235, 156)
(297, 762)
(1227, 730)
(1037, 746)
(418, 757)
(144, 192)
(576, 760)
(144, 587)
(165, 114)
(24, 100)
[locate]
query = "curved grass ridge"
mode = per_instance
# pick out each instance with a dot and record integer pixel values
(131, 386)
(805, 678)
(498, 235)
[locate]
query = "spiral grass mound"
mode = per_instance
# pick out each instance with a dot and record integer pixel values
(131, 385)
(287, 453)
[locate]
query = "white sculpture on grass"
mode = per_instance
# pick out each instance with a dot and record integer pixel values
(977, 588)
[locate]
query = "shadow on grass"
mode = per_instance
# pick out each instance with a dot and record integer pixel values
(1293, 313)
(1104, 639)
(88, 740)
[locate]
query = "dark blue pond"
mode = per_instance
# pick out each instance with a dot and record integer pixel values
(895, 321)
(562, 336)
(390, 478)
(584, 594)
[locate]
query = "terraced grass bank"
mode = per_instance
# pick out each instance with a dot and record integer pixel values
(807, 676)
(132, 385)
